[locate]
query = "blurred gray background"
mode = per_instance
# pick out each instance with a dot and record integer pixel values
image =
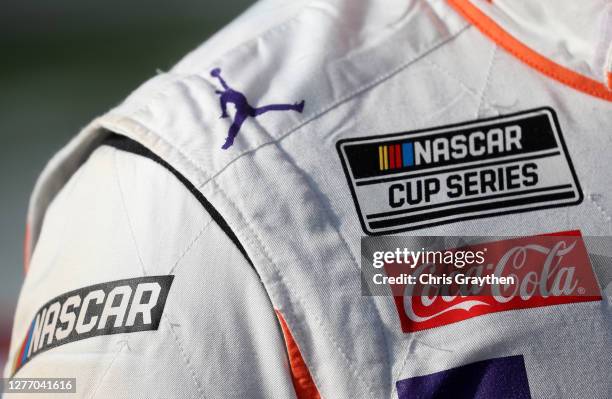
(63, 63)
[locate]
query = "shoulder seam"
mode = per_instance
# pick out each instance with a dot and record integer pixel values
(126, 144)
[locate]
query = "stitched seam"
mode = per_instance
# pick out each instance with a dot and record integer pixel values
(275, 279)
(185, 358)
(317, 114)
(557, 76)
(190, 245)
(322, 111)
(59, 247)
(487, 81)
(127, 216)
(95, 391)
(398, 372)
(579, 85)
(278, 276)
(368, 302)
(300, 300)
(600, 208)
(468, 89)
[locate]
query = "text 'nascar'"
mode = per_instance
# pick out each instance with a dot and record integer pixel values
(508, 164)
(114, 307)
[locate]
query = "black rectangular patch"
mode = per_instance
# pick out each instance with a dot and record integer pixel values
(114, 307)
(489, 167)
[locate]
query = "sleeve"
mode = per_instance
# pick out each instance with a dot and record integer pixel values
(137, 290)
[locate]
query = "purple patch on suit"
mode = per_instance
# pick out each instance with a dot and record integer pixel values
(503, 377)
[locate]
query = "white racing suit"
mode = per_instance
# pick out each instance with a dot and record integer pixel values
(202, 239)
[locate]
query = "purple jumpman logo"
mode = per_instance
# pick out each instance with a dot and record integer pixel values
(243, 108)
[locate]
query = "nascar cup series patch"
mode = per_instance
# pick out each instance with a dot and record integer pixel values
(489, 167)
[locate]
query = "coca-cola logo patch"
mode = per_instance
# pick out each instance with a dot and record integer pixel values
(517, 273)
(489, 167)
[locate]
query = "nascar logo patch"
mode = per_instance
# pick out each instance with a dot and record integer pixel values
(121, 306)
(489, 167)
